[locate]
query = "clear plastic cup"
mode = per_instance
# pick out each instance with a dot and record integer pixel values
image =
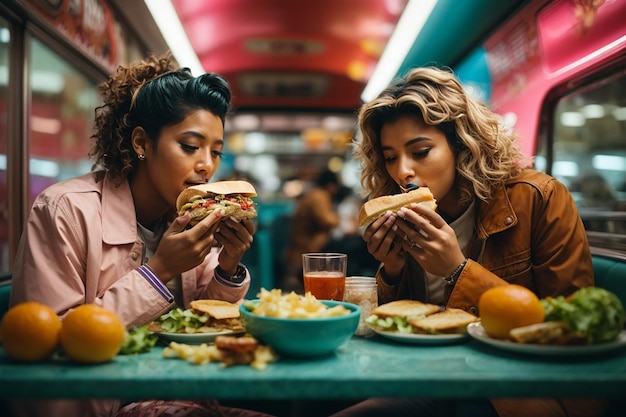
(325, 275)
(363, 292)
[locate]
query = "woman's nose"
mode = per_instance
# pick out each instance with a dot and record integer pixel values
(405, 169)
(204, 162)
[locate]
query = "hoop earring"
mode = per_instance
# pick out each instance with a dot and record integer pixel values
(141, 157)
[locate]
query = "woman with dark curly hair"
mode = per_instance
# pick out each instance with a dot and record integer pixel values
(112, 237)
(497, 222)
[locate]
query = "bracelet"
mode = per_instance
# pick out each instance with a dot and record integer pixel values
(451, 279)
(238, 277)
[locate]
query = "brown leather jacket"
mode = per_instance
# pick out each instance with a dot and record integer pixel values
(529, 233)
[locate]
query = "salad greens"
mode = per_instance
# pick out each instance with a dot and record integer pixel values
(593, 313)
(138, 340)
(177, 319)
(390, 324)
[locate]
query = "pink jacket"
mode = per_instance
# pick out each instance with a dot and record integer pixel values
(80, 245)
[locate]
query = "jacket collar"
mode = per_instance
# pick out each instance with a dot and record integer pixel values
(119, 221)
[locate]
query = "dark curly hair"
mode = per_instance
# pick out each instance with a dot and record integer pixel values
(153, 93)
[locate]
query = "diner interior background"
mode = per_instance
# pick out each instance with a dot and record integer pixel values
(298, 71)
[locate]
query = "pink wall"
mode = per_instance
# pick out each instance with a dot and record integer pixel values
(546, 45)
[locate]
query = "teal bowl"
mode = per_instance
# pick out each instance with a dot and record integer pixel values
(303, 338)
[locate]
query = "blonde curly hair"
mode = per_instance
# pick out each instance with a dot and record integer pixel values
(487, 154)
(153, 93)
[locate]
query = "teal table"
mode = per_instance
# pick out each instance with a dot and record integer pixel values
(363, 367)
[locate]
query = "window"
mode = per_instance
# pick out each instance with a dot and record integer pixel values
(589, 156)
(61, 119)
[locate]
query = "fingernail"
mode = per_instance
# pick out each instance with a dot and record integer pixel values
(394, 227)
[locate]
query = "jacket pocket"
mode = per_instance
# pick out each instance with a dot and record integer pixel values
(513, 268)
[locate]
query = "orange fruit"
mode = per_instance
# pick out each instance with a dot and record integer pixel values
(507, 307)
(92, 334)
(30, 331)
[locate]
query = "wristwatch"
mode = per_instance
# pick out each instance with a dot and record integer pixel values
(237, 277)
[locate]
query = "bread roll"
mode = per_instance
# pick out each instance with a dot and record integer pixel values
(220, 187)
(405, 308)
(376, 207)
(232, 207)
(217, 309)
(449, 321)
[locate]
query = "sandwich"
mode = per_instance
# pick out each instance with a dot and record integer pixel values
(395, 316)
(234, 197)
(227, 349)
(376, 207)
(545, 333)
(244, 350)
(222, 314)
(449, 321)
(204, 316)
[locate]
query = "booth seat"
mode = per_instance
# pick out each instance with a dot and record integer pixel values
(610, 274)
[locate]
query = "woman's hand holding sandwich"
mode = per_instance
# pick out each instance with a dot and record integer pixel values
(182, 248)
(383, 244)
(235, 238)
(429, 239)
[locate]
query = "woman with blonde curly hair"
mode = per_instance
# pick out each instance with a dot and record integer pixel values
(497, 222)
(112, 237)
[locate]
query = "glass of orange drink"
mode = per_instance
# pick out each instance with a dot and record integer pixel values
(325, 275)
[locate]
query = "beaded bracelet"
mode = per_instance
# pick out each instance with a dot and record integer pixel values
(451, 279)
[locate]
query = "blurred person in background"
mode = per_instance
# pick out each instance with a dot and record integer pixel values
(311, 226)
(112, 237)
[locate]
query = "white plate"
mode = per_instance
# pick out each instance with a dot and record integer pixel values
(422, 339)
(196, 338)
(477, 331)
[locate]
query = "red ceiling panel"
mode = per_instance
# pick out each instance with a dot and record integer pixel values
(287, 54)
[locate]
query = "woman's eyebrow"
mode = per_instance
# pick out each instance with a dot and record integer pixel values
(407, 143)
(415, 140)
(199, 136)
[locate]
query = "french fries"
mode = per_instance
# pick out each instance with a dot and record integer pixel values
(204, 353)
(275, 304)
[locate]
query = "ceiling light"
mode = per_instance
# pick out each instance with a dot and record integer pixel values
(593, 111)
(619, 113)
(609, 162)
(572, 119)
(44, 168)
(246, 122)
(565, 169)
(409, 25)
(47, 125)
(166, 19)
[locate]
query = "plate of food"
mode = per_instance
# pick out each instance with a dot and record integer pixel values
(197, 338)
(414, 322)
(588, 322)
(422, 339)
(202, 323)
(477, 331)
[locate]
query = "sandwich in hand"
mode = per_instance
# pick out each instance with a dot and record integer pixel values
(204, 316)
(231, 196)
(395, 316)
(376, 207)
(449, 321)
